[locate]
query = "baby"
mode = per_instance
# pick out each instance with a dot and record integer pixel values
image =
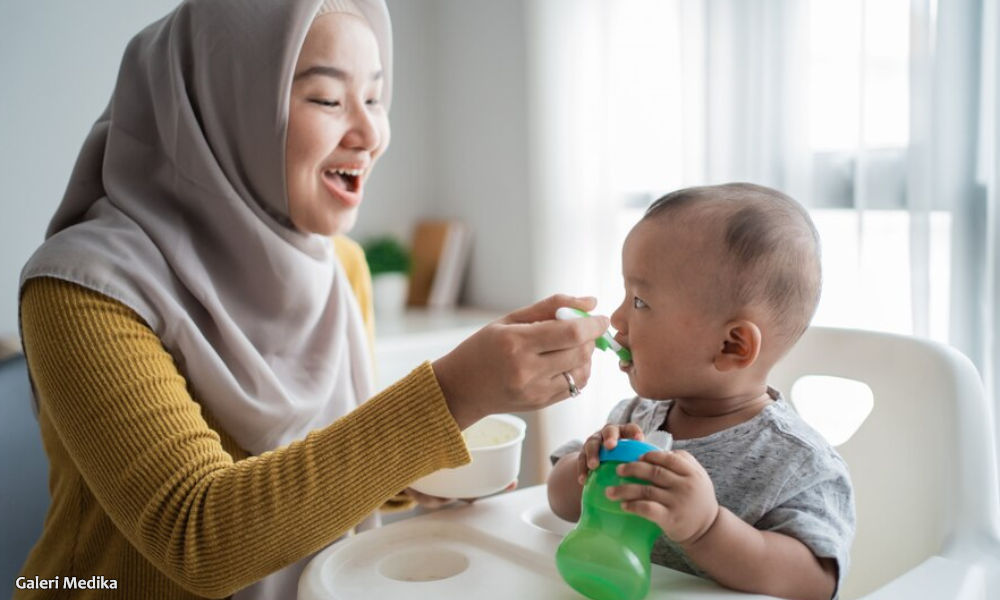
(720, 282)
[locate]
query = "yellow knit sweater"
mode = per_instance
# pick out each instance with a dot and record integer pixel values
(147, 490)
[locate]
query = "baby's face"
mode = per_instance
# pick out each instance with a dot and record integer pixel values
(668, 318)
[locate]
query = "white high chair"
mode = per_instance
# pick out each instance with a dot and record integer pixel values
(922, 463)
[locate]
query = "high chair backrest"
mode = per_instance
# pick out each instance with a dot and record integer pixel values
(922, 463)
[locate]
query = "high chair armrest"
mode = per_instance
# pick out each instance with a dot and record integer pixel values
(936, 577)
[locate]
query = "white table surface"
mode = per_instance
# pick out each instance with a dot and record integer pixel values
(500, 547)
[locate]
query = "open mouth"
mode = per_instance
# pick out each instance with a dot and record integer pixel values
(348, 180)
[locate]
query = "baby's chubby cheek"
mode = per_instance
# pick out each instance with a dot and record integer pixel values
(646, 382)
(638, 381)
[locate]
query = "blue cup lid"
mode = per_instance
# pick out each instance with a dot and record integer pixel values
(626, 451)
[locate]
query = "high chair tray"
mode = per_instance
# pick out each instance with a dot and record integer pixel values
(435, 559)
(499, 548)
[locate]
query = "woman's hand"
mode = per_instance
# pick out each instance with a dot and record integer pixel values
(427, 501)
(517, 363)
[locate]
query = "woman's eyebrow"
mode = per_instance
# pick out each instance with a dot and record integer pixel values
(333, 72)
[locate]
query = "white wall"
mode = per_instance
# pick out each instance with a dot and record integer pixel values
(460, 138)
(482, 118)
(402, 186)
(459, 121)
(58, 63)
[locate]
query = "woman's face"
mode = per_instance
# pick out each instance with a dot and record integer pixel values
(337, 126)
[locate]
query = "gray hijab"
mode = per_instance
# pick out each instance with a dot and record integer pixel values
(177, 208)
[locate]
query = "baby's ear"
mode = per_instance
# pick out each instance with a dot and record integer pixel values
(740, 346)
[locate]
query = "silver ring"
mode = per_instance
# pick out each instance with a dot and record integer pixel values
(573, 390)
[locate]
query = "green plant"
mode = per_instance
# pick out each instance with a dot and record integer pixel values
(386, 255)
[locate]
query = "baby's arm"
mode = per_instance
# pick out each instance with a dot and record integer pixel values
(739, 556)
(565, 489)
(565, 482)
(681, 500)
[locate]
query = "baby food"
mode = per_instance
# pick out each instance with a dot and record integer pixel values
(489, 432)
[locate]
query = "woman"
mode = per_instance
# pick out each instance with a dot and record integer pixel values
(196, 342)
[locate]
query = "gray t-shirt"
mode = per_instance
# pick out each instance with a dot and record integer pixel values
(774, 471)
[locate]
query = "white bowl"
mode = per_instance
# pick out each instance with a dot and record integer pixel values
(495, 445)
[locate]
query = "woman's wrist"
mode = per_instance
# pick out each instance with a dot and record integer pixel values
(463, 411)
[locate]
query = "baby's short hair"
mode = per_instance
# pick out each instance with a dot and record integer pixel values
(771, 243)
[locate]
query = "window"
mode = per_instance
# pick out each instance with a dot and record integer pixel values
(663, 101)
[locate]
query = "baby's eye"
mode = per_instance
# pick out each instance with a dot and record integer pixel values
(637, 302)
(328, 103)
(372, 102)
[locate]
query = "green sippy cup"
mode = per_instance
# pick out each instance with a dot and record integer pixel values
(606, 556)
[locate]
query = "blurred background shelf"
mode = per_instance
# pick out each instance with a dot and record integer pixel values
(405, 340)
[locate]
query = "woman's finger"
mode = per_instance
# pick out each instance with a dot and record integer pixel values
(579, 376)
(577, 360)
(510, 486)
(426, 500)
(573, 357)
(544, 310)
(555, 388)
(553, 335)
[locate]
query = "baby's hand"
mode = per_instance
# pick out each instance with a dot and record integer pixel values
(680, 497)
(588, 459)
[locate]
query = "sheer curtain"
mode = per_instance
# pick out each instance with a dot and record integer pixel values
(984, 282)
(630, 99)
(570, 180)
(881, 115)
(952, 168)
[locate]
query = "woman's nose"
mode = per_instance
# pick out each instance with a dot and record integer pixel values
(362, 134)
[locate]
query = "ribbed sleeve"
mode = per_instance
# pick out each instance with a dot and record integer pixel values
(159, 471)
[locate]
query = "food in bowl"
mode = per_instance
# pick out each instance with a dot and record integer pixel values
(489, 432)
(495, 445)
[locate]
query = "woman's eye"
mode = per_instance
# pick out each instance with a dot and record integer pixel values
(329, 103)
(637, 302)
